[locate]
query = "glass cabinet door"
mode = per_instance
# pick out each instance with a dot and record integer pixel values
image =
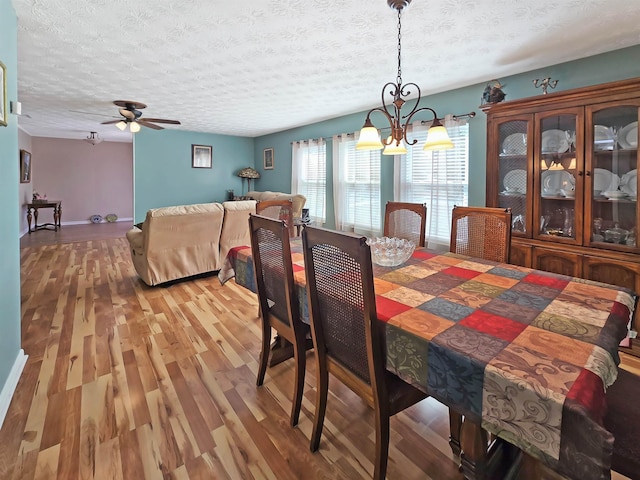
(558, 173)
(513, 178)
(612, 183)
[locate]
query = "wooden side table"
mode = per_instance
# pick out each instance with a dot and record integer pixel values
(57, 215)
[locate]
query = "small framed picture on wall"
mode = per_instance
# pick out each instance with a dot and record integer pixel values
(25, 166)
(267, 158)
(201, 156)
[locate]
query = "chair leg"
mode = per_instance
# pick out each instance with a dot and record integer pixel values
(321, 406)
(300, 358)
(264, 353)
(382, 445)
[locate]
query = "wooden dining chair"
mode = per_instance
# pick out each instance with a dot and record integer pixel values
(279, 308)
(481, 232)
(623, 420)
(406, 220)
(347, 337)
(278, 209)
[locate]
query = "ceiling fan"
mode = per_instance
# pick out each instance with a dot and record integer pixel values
(131, 114)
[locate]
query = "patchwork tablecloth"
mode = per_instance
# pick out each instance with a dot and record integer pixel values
(527, 353)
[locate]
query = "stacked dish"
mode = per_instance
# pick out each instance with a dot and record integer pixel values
(515, 182)
(554, 141)
(515, 144)
(555, 180)
(628, 136)
(603, 137)
(604, 180)
(629, 183)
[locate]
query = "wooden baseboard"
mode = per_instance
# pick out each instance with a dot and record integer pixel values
(11, 383)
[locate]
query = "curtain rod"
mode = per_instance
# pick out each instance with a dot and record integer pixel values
(455, 117)
(307, 141)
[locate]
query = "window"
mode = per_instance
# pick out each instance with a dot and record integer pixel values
(309, 176)
(439, 178)
(356, 186)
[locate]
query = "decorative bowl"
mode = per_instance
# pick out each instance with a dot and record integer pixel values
(390, 251)
(568, 193)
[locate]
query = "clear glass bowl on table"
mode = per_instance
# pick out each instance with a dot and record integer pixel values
(390, 251)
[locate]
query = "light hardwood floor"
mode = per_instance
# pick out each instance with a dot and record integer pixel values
(125, 381)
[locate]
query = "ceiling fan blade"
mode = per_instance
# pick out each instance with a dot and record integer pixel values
(109, 122)
(162, 120)
(150, 125)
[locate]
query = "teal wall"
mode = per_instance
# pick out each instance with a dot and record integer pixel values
(617, 65)
(9, 220)
(163, 175)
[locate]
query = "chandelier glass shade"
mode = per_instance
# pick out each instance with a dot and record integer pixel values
(93, 138)
(396, 143)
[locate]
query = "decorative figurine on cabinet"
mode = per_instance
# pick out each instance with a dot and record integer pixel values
(493, 92)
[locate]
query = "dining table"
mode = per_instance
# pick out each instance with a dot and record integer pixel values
(523, 354)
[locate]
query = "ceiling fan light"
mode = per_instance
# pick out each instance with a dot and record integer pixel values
(134, 127)
(437, 139)
(121, 125)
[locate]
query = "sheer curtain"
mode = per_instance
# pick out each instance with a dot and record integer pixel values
(439, 178)
(309, 176)
(356, 186)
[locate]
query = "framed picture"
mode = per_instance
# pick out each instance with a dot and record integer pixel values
(201, 156)
(267, 158)
(25, 166)
(3, 95)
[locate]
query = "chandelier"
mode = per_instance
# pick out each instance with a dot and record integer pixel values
(93, 138)
(395, 144)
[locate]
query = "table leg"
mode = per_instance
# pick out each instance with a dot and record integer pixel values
(455, 423)
(35, 217)
(29, 217)
(473, 441)
(57, 213)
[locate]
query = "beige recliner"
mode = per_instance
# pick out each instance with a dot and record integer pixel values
(297, 200)
(185, 240)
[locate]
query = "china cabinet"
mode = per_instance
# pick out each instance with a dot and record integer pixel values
(566, 164)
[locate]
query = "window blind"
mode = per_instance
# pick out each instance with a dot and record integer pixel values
(439, 178)
(356, 187)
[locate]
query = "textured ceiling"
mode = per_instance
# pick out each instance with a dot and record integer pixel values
(252, 67)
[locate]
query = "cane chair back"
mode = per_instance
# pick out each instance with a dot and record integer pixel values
(278, 209)
(406, 220)
(481, 232)
(347, 336)
(279, 308)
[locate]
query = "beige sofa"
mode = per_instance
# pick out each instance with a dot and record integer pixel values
(185, 240)
(298, 200)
